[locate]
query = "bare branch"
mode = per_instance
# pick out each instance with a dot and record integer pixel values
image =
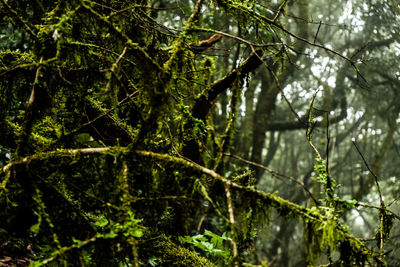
(370, 170)
(275, 174)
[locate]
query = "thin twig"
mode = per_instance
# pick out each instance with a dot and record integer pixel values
(106, 113)
(173, 143)
(172, 140)
(278, 85)
(177, 44)
(33, 93)
(382, 210)
(275, 174)
(65, 249)
(40, 4)
(232, 222)
(329, 184)
(236, 37)
(273, 23)
(114, 66)
(316, 45)
(62, 77)
(309, 124)
(126, 128)
(370, 170)
(29, 112)
(129, 41)
(29, 27)
(280, 10)
(316, 35)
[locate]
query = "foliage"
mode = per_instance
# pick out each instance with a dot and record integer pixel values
(210, 243)
(129, 127)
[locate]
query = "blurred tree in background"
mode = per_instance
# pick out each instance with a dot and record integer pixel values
(207, 133)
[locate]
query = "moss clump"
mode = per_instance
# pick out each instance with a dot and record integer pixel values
(175, 255)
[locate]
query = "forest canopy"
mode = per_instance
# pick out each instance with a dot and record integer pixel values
(199, 133)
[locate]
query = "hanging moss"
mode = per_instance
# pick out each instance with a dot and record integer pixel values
(109, 142)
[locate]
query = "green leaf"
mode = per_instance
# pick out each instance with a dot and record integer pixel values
(35, 228)
(110, 235)
(101, 222)
(35, 264)
(77, 242)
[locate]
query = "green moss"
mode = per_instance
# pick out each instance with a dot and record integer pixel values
(11, 59)
(175, 255)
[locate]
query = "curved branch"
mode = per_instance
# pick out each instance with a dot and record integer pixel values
(284, 207)
(275, 174)
(204, 103)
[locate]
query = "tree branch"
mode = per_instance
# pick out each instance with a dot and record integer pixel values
(204, 103)
(284, 207)
(275, 174)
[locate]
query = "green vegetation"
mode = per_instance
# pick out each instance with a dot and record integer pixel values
(207, 133)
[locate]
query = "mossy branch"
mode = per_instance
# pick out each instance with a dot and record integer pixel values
(63, 250)
(31, 112)
(129, 42)
(19, 20)
(204, 103)
(284, 207)
(177, 46)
